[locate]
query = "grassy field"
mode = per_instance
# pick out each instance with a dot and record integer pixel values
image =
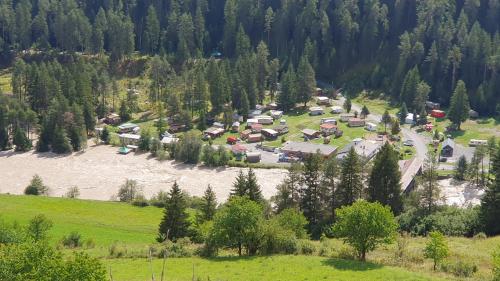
(133, 230)
(104, 222)
(375, 105)
(471, 129)
(289, 268)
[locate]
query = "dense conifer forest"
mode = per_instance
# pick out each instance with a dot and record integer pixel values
(401, 48)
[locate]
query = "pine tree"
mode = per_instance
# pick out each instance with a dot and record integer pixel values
(384, 184)
(461, 168)
(490, 203)
(124, 111)
(421, 96)
(253, 187)
(262, 70)
(459, 105)
(105, 135)
(395, 128)
(403, 113)
(152, 32)
(21, 142)
(306, 81)
(311, 203)
(428, 182)
(60, 143)
(288, 191)
(209, 204)
(175, 222)
(364, 111)
(245, 106)
(351, 182)
(386, 119)
(347, 104)
(288, 96)
(329, 188)
(240, 185)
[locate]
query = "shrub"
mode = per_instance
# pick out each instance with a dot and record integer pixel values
(459, 269)
(117, 251)
(347, 253)
(293, 220)
(306, 247)
(114, 140)
(159, 200)
(140, 201)
(73, 240)
(182, 248)
(277, 240)
(36, 187)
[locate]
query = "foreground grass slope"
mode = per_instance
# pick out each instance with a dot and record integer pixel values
(104, 222)
(134, 229)
(289, 268)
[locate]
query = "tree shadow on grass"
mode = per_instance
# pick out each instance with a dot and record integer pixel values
(350, 265)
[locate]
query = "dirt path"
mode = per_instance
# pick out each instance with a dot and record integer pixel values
(99, 172)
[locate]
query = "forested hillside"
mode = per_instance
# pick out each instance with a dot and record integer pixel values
(377, 44)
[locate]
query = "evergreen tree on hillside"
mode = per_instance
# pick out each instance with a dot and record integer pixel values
(311, 195)
(306, 81)
(252, 186)
(262, 70)
(461, 168)
(152, 31)
(386, 119)
(351, 182)
(240, 185)
(175, 223)
(60, 143)
(288, 96)
(403, 113)
(409, 87)
(20, 140)
(288, 191)
(384, 184)
(347, 105)
(459, 106)
(209, 204)
(490, 203)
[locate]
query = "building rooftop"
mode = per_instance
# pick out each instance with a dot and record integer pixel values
(309, 148)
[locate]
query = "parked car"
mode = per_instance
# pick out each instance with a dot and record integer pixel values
(408, 143)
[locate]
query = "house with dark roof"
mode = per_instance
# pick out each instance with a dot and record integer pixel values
(302, 149)
(448, 148)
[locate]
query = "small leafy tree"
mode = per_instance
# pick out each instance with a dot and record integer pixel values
(145, 140)
(364, 226)
(128, 191)
(238, 225)
(36, 187)
(437, 248)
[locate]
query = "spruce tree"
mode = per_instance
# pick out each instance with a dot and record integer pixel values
(252, 186)
(21, 142)
(403, 113)
(288, 191)
(351, 182)
(384, 184)
(311, 199)
(240, 185)
(209, 204)
(60, 143)
(329, 187)
(428, 182)
(347, 105)
(490, 203)
(175, 222)
(306, 81)
(459, 105)
(288, 96)
(364, 111)
(461, 168)
(386, 119)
